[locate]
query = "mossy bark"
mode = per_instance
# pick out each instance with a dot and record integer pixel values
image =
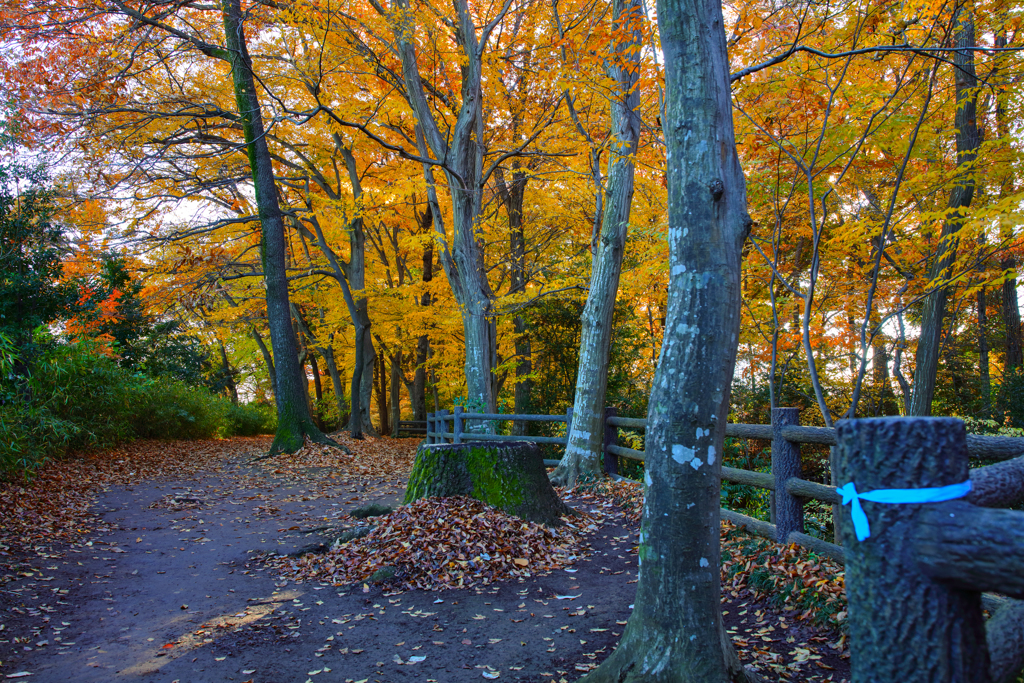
(509, 476)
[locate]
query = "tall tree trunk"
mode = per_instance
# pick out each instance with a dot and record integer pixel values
(362, 382)
(337, 384)
(229, 373)
(583, 458)
(512, 197)
(293, 418)
(675, 633)
(318, 389)
(462, 151)
(380, 368)
(396, 383)
(967, 141)
(1014, 346)
(983, 370)
(418, 394)
(268, 360)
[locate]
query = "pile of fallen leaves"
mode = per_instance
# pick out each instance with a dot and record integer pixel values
(53, 507)
(440, 543)
(370, 457)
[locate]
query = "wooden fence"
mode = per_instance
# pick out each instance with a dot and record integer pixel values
(789, 492)
(915, 586)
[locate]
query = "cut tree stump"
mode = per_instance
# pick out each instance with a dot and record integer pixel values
(509, 476)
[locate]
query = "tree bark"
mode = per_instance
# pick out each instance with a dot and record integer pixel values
(229, 373)
(983, 361)
(510, 476)
(396, 383)
(583, 459)
(512, 197)
(675, 633)
(967, 142)
(268, 359)
(1005, 638)
(905, 626)
(462, 151)
(293, 419)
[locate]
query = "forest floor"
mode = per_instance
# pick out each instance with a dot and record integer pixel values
(168, 561)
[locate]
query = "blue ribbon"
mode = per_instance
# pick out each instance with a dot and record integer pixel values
(895, 496)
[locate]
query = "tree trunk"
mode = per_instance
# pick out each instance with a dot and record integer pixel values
(318, 389)
(268, 359)
(510, 476)
(229, 373)
(293, 419)
(380, 368)
(462, 150)
(512, 197)
(1014, 346)
(983, 370)
(675, 633)
(396, 383)
(583, 459)
(332, 369)
(418, 394)
(967, 141)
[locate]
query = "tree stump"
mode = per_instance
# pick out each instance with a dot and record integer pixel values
(509, 476)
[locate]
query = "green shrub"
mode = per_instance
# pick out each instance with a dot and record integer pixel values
(250, 420)
(76, 383)
(77, 398)
(171, 409)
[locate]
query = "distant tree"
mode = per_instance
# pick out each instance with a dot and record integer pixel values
(31, 249)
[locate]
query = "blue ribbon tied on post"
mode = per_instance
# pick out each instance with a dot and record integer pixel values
(894, 497)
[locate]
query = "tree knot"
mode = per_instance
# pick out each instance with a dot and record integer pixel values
(717, 187)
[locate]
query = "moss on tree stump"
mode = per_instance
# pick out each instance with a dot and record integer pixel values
(509, 476)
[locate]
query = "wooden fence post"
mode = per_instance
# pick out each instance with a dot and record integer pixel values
(442, 416)
(430, 428)
(457, 424)
(611, 438)
(905, 625)
(787, 510)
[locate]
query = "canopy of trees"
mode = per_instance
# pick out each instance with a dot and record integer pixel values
(445, 180)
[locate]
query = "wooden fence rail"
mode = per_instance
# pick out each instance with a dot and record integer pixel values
(999, 485)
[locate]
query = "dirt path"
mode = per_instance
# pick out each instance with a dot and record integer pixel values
(172, 593)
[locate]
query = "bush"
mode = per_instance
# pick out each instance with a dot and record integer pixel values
(77, 398)
(250, 420)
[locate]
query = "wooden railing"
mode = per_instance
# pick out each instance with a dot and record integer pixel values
(790, 493)
(413, 427)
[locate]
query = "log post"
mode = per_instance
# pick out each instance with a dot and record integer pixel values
(430, 428)
(457, 425)
(904, 625)
(442, 417)
(787, 509)
(611, 438)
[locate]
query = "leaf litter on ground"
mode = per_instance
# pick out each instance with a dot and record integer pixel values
(441, 543)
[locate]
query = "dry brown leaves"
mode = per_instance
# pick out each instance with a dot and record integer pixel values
(440, 543)
(787, 576)
(53, 508)
(371, 457)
